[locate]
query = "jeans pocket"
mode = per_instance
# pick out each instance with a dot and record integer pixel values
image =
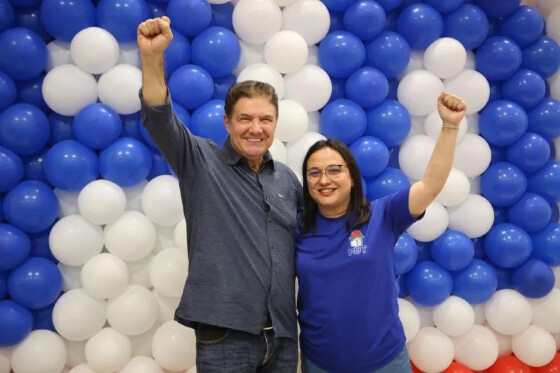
(208, 334)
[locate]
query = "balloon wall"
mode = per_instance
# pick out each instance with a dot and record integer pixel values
(92, 237)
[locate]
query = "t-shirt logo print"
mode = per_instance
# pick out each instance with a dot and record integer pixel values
(356, 243)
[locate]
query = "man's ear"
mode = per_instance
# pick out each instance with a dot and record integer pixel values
(227, 123)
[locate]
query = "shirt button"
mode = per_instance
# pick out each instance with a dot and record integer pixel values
(274, 272)
(271, 247)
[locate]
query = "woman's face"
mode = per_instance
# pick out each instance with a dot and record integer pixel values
(329, 182)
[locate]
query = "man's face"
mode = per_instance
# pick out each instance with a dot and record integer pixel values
(251, 128)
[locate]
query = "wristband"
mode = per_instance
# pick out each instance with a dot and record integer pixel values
(445, 125)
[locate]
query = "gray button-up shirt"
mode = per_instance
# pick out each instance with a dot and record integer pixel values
(240, 228)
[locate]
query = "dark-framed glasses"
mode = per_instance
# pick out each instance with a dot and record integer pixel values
(332, 171)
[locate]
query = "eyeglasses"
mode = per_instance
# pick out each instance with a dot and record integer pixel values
(332, 171)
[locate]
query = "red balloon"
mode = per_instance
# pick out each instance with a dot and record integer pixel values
(456, 367)
(509, 364)
(552, 367)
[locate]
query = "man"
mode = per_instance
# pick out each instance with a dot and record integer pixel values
(240, 207)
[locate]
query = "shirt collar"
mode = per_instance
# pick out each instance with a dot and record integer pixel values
(232, 157)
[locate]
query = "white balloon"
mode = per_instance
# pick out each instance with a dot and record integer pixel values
(104, 276)
(478, 349)
(475, 185)
(133, 312)
(173, 346)
(5, 354)
(534, 346)
(131, 237)
(67, 201)
(425, 313)
(504, 342)
(410, 319)
(418, 91)
(554, 84)
(309, 18)
(472, 120)
(67, 89)
(74, 240)
(454, 316)
(472, 155)
(134, 196)
(311, 86)
(108, 350)
(142, 344)
(553, 24)
(471, 61)
(312, 55)
(70, 276)
(415, 154)
(474, 217)
(82, 368)
(75, 352)
(292, 121)
(94, 49)
(118, 88)
(433, 123)
(42, 351)
(556, 271)
(445, 57)
(417, 126)
(479, 313)
(254, 21)
(544, 310)
(508, 312)
(168, 272)
(250, 54)
(277, 151)
(432, 225)
(165, 237)
(283, 3)
(263, 73)
(141, 364)
(415, 62)
(314, 117)
(180, 235)
(455, 190)
(161, 201)
(101, 202)
(431, 350)
(285, 51)
(218, 1)
(472, 87)
(77, 316)
(547, 6)
(167, 306)
(58, 54)
(296, 150)
(129, 54)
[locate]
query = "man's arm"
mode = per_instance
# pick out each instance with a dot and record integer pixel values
(153, 37)
(451, 110)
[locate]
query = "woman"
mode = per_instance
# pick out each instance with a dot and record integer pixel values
(347, 301)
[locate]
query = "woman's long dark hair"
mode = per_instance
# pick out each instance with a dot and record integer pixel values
(358, 211)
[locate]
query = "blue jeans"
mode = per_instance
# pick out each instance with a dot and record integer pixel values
(233, 351)
(400, 364)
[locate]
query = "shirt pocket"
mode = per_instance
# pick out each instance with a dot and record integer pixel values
(283, 208)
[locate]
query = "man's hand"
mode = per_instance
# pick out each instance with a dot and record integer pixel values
(451, 108)
(153, 36)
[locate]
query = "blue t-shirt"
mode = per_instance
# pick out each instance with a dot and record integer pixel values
(347, 300)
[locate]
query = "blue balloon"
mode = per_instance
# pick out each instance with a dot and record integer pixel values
(500, 8)
(15, 247)
(341, 53)
(338, 89)
(476, 283)
(69, 165)
(222, 85)
(337, 5)
(428, 283)
(389, 121)
(389, 181)
(555, 212)
(36, 283)
(207, 121)
(344, 120)
(503, 122)
(546, 182)
(191, 86)
(420, 24)
(500, 215)
(389, 5)
(182, 114)
(33, 167)
(495, 90)
(8, 91)
(131, 126)
(122, 17)
(525, 87)
(40, 245)
(24, 129)
(453, 250)
(222, 15)
(217, 50)
(468, 24)
(190, 17)
(498, 154)
(533, 279)
(394, 156)
(159, 165)
(157, 9)
(30, 92)
(401, 286)
(11, 169)
(406, 254)
(365, 19)
(367, 86)
(178, 53)
(546, 244)
(31, 206)
(1, 213)
(532, 212)
(523, 26)
(371, 154)
(504, 277)
(498, 58)
(543, 57)
(29, 17)
(389, 52)
(544, 119)
(478, 247)
(3, 289)
(444, 6)
(126, 162)
(7, 16)
(60, 128)
(530, 153)
(97, 125)
(424, 250)
(336, 21)
(16, 322)
(507, 245)
(42, 318)
(24, 53)
(393, 88)
(145, 136)
(64, 19)
(503, 184)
